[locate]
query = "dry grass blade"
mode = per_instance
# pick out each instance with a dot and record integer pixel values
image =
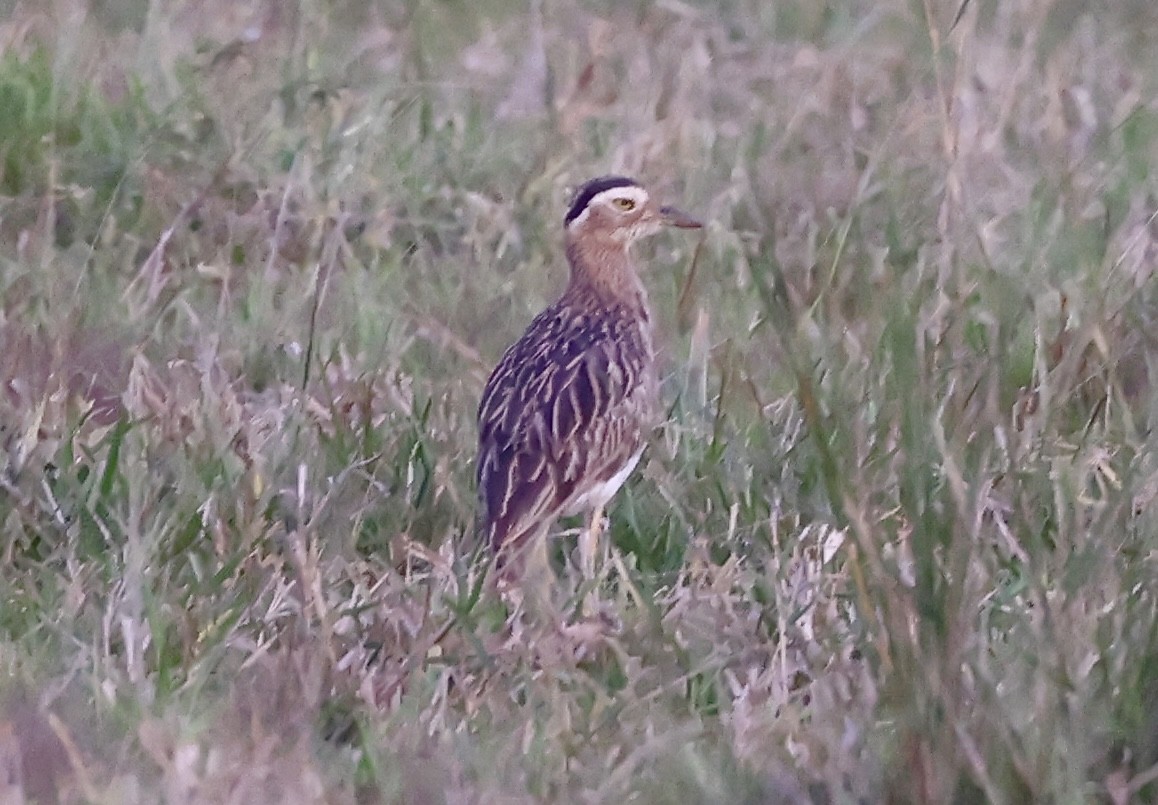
(894, 537)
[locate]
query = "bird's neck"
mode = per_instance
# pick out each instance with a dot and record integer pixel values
(602, 273)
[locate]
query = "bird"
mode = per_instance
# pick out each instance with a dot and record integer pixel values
(566, 413)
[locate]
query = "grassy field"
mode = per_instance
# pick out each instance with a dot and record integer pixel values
(896, 541)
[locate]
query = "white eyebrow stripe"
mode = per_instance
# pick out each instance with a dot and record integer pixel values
(580, 218)
(633, 192)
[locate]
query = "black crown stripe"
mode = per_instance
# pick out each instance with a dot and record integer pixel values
(591, 190)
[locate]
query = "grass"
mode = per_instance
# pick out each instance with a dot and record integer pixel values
(895, 540)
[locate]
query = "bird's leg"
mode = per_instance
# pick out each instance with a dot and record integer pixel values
(522, 575)
(589, 543)
(538, 580)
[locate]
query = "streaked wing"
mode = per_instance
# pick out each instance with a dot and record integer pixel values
(567, 406)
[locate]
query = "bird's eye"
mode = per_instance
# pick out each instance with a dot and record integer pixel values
(624, 204)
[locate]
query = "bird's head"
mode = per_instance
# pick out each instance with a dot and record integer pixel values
(619, 209)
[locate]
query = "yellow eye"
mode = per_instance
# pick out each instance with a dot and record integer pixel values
(624, 204)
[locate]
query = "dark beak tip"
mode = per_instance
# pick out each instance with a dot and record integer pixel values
(678, 218)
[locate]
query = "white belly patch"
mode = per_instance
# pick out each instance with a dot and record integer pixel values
(600, 493)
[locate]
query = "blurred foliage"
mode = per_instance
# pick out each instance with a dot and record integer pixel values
(894, 540)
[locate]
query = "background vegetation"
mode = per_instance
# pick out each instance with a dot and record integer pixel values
(896, 540)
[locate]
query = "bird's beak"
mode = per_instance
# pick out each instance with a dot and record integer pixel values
(676, 217)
